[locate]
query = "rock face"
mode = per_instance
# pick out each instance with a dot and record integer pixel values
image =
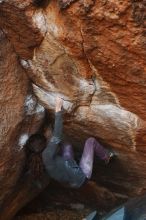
(92, 53)
(20, 116)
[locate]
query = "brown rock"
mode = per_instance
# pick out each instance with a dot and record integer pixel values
(93, 55)
(21, 23)
(20, 116)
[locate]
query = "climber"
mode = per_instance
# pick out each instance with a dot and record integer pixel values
(58, 159)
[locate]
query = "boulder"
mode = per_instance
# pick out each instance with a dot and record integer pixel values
(92, 54)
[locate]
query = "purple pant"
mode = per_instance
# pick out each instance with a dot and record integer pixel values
(86, 163)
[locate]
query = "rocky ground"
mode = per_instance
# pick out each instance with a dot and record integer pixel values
(56, 213)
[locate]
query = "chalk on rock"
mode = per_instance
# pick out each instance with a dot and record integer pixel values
(49, 98)
(25, 63)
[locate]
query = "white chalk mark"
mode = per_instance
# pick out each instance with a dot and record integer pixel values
(49, 98)
(39, 20)
(25, 63)
(22, 140)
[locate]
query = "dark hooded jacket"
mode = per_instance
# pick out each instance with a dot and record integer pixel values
(64, 171)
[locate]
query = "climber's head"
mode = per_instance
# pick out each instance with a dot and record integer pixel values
(36, 143)
(34, 148)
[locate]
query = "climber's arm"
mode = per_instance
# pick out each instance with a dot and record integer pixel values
(56, 138)
(57, 132)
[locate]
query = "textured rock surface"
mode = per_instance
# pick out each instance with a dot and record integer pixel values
(93, 54)
(20, 116)
(13, 91)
